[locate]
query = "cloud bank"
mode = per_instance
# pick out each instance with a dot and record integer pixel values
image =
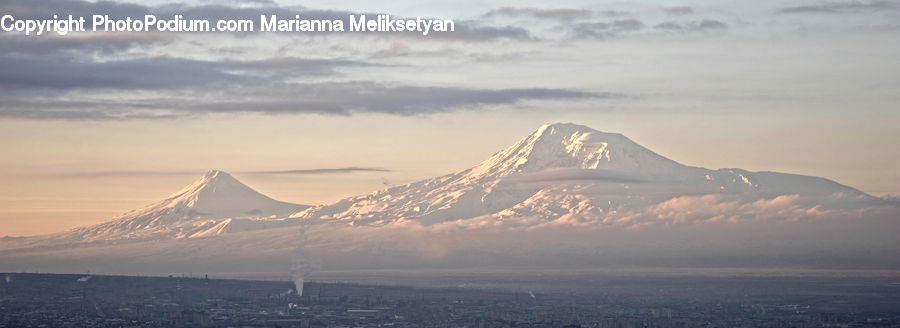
(115, 76)
(692, 231)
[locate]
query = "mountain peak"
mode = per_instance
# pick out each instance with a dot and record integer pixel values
(573, 146)
(211, 183)
(564, 127)
(215, 198)
(574, 131)
(216, 176)
(564, 171)
(212, 174)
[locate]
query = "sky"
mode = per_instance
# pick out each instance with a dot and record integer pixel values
(95, 124)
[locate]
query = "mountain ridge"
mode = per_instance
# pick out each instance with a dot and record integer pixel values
(564, 194)
(558, 173)
(613, 173)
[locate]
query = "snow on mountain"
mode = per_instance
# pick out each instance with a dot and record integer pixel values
(561, 173)
(212, 205)
(564, 195)
(565, 170)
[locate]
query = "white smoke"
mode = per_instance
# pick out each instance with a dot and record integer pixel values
(303, 266)
(304, 262)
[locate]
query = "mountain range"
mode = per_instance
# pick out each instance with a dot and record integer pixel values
(561, 176)
(567, 170)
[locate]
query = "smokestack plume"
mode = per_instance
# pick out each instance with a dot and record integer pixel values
(304, 263)
(303, 266)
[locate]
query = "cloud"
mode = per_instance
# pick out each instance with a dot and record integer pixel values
(559, 14)
(36, 9)
(603, 30)
(253, 2)
(681, 10)
(684, 210)
(470, 31)
(63, 72)
(718, 224)
(613, 13)
(278, 97)
(325, 171)
(695, 26)
(120, 174)
(671, 26)
(628, 25)
(596, 30)
(465, 30)
(721, 208)
(345, 98)
(82, 76)
(101, 43)
(59, 86)
(151, 173)
(115, 76)
(841, 7)
(710, 24)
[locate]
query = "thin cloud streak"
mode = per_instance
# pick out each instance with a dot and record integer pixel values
(325, 171)
(326, 98)
(680, 10)
(560, 14)
(66, 73)
(840, 7)
(695, 26)
(119, 174)
(154, 173)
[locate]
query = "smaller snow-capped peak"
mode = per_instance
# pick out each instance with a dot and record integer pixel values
(215, 186)
(572, 146)
(218, 194)
(215, 200)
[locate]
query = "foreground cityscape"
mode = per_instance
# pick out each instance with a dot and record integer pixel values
(64, 300)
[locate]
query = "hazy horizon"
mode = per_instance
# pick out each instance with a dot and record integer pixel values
(449, 163)
(802, 87)
(357, 178)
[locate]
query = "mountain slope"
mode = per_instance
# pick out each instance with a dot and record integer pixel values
(214, 204)
(565, 170)
(564, 195)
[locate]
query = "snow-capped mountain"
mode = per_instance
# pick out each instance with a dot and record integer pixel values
(212, 205)
(560, 173)
(564, 195)
(566, 170)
